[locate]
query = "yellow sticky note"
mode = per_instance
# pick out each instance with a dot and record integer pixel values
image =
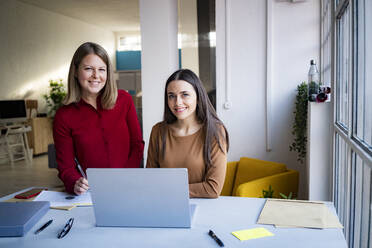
(253, 233)
(68, 208)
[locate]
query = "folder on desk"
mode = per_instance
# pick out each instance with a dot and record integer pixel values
(17, 218)
(297, 213)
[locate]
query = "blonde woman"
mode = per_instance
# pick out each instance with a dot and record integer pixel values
(98, 124)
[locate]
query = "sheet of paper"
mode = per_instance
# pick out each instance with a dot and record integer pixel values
(61, 199)
(253, 233)
(292, 213)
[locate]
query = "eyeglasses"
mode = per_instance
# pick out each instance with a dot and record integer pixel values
(66, 229)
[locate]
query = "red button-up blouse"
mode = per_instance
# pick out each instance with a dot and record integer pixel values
(98, 138)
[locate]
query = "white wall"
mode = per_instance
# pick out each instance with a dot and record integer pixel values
(38, 45)
(295, 40)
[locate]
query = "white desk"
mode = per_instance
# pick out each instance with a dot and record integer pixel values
(222, 215)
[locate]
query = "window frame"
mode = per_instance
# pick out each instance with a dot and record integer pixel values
(354, 136)
(349, 204)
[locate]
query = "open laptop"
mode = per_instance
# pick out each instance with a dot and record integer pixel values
(137, 197)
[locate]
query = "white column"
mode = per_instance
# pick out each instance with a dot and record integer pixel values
(189, 31)
(318, 157)
(159, 58)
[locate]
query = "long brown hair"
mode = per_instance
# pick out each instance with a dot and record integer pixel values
(109, 93)
(214, 129)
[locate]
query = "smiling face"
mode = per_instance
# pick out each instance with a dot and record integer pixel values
(182, 100)
(92, 75)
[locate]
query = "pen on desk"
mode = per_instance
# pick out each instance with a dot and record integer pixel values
(44, 226)
(80, 169)
(218, 241)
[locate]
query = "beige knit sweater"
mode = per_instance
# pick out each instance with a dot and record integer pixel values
(187, 152)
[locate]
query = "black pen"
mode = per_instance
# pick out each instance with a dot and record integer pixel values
(44, 226)
(80, 169)
(219, 242)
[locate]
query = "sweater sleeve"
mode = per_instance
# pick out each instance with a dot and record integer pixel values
(211, 186)
(153, 151)
(64, 152)
(136, 141)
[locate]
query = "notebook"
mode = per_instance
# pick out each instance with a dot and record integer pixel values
(17, 218)
(138, 197)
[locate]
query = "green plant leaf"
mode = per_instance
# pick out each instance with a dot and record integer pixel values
(283, 196)
(268, 193)
(289, 197)
(299, 127)
(54, 99)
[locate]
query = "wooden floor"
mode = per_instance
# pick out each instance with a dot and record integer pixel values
(21, 175)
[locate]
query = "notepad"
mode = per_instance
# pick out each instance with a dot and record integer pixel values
(253, 233)
(58, 199)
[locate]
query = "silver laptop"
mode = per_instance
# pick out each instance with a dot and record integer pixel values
(153, 197)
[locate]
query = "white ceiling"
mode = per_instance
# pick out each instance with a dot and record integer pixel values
(114, 15)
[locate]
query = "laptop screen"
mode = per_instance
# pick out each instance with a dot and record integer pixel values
(138, 197)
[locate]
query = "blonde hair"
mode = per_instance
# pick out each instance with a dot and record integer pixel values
(109, 93)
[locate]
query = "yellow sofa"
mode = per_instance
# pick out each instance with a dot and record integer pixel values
(248, 177)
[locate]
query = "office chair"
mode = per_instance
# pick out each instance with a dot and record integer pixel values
(14, 142)
(52, 160)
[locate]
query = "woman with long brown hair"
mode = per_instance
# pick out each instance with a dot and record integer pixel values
(190, 136)
(98, 124)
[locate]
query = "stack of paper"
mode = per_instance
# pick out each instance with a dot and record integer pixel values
(63, 200)
(292, 213)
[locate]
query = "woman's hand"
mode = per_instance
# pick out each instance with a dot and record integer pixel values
(81, 186)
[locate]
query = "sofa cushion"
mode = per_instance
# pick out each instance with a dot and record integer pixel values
(250, 169)
(229, 179)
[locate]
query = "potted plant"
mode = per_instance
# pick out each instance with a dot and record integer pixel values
(55, 97)
(299, 127)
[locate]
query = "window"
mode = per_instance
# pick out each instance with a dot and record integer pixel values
(129, 43)
(349, 55)
(343, 67)
(363, 87)
(326, 37)
(343, 176)
(362, 219)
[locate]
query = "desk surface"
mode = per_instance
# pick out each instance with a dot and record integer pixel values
(223, 215)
